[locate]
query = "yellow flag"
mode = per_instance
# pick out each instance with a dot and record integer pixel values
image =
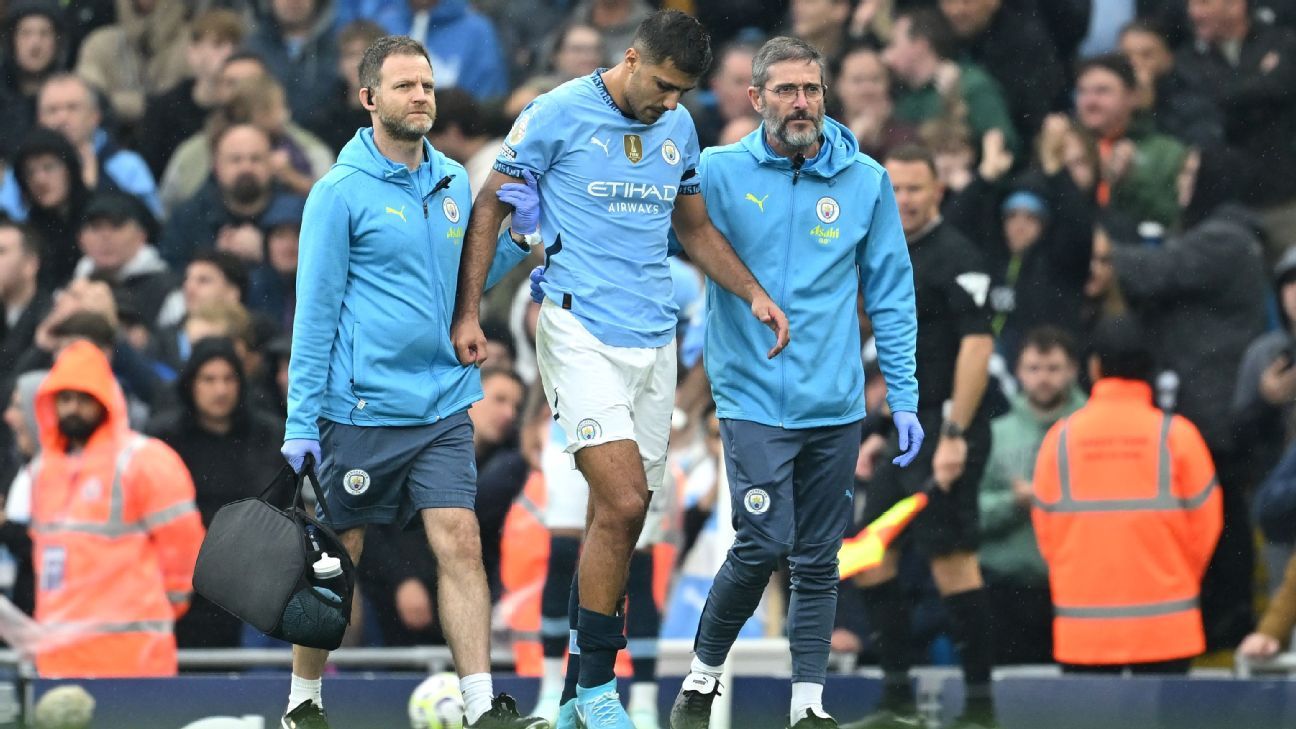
(866, 549)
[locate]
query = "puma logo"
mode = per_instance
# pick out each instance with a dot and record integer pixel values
(398, 213)
(595, 140)
(760, 203)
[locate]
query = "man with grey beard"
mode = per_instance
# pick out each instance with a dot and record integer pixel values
(792, 426)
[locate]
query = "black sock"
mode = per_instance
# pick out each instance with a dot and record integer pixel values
(969, 614)
(889, 629)
(574, 656)
(643, 618)
(555, 599)
(599, 637)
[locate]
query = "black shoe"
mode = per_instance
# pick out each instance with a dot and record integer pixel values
(889, 719)
(503, 714)
(692, 708)
(812, 720)
(307, 715)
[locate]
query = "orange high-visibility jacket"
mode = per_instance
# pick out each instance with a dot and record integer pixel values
(524, 562)
(115, 535)
(1127, 513)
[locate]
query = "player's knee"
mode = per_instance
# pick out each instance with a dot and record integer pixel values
(761, 553)
(626, 508)
(814, 576)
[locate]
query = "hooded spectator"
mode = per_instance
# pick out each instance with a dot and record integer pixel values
(230, 449)
(47, 169)
(34, 49)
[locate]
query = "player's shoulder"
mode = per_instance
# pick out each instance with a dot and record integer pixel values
(861, 160)
(571, 95)
(336, 181)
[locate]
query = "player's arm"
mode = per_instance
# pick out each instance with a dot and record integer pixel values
(478, 255)
(886, 278)
(707, 248)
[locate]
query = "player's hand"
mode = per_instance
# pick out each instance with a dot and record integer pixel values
(948, 461)
(413, 604)
(1259, 645)
(910, 432)
(537, 278)
(469, 342)
(764, 308)
(295, 451)
(525, 199)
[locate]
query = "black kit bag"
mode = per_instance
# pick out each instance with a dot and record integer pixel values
(256, 563)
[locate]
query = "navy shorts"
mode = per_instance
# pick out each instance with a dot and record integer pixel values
(385, 474)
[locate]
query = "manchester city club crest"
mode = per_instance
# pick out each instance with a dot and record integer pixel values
(670, 152)
(827, 209)
(451, 209)
(588, 429)
(633, 145)
(756, 501)
(356, 481)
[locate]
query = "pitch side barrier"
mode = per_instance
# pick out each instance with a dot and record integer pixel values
(363, 694)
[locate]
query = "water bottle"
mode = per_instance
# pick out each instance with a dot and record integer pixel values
(1151, 233)
(327, 571)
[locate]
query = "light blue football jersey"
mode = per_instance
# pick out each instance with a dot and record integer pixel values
(608, 185)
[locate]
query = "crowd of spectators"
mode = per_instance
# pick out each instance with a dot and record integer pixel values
(1105, 155)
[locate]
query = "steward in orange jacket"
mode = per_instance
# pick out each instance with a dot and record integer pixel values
(115, 532)
(1127, 513)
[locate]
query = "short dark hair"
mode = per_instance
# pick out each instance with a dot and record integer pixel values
(1112, 63)
(458, 108)
(28, 239)
(377, 53)
(496, 371)
(669, 35)
(1122, 349)
(913, 153)
(87, 325)
(231, 267)
(784, 48)
(1048, 338)
(931, 26)
(224, 127)
(246, 55)
(1145, 25)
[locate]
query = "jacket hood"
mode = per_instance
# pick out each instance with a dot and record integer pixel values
(42, 141)
(84, 368)
(23, 9)
(362, 154)
(204, 351)
(838, 150)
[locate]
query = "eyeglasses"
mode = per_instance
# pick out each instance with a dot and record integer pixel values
(788, 92)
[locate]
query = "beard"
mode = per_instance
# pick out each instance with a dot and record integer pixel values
(790, 139)
(1047, 401)
(247, 189)
(401, 128)
(76, 428)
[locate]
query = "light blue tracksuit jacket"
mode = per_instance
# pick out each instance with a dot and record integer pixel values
(813, 238)
(376, 278)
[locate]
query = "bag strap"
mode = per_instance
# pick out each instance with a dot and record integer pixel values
(308, 472)
(283, 479)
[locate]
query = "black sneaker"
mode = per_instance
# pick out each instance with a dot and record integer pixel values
(888, 719)
(307, 715)
(812, 720)
(692, 708)
(504, 714)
